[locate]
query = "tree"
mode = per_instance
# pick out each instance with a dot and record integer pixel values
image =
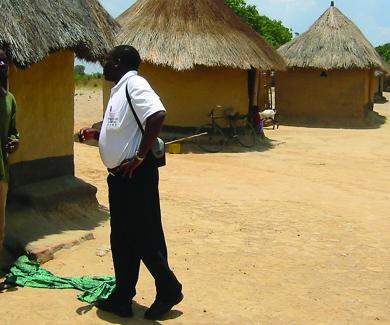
(272, 30)
(79, 69)
(384, 51)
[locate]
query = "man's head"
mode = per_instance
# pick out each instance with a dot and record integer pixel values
(120, 60)
(3, 65)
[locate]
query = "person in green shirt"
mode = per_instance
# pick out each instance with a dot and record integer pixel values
(9, 137)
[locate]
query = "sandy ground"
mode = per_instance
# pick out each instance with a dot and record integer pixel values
(298, 233)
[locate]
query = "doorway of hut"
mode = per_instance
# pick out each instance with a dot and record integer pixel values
(260, 91)
(252, 74)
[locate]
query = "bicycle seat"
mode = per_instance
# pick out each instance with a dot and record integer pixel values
(229, 112)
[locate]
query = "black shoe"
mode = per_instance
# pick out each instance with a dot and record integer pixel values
(120, 308)
(161, 307)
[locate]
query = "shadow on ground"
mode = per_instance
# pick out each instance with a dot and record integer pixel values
(189, 146)
(261, 145)
(138, 317)
(373, 121)
(45, 217)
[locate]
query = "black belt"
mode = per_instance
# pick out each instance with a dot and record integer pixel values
(114, 171)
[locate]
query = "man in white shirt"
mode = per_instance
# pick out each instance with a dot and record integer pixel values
(136, 229)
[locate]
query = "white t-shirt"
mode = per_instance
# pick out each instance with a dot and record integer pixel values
(120, 135)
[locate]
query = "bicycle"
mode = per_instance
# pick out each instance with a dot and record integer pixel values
(212, 137)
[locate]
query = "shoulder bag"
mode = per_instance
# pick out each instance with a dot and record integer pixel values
(158, 148)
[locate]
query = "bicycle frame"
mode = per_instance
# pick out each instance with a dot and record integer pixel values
(213, 118)
(238, 127)
(231, 132)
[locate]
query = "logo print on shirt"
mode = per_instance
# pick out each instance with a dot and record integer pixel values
(113, 120)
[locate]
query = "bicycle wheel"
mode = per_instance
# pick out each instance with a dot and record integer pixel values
(246, 134)
(212, 138)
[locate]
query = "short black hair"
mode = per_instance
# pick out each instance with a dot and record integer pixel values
(127, 56)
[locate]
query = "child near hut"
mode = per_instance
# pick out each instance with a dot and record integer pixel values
(9, 137)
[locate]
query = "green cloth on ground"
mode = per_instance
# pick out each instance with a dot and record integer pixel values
(28, 273)
(7, 130)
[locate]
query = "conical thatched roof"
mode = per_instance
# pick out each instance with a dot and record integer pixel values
(333, 42)
(386, 68)
(184, 33)
(31, 29)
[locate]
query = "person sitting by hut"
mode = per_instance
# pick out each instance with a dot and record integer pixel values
(9, 137)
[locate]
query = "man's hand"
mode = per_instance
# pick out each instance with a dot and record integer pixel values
(86, 134)
(12, 145)
(128, 166)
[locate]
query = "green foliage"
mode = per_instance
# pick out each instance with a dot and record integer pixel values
(88, 80)
(272, 30)
(79, 69)
(96, 75)
(384, 51)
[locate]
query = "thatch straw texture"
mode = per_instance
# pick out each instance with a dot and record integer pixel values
(386, 68)
(31, 29)
(184, 33)
(333, 42)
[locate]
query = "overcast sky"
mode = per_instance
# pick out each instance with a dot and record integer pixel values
(371, 16)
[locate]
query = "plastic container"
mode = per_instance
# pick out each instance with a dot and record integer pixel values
(174, 148)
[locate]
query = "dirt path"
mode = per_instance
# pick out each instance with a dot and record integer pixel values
(297, 234)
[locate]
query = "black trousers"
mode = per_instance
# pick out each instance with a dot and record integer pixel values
(137, 233)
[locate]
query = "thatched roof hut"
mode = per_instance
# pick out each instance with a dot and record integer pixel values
(330, 71)
(42, 38)
(183, 34)
(191, 48)
(382, 78)
(386, 68)
(332, 42)
(32, 30)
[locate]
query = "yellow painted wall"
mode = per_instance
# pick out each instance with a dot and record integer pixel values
(378, 83)
(381, 84)
(190, 95)
(373, 84)
(343, 93)
(45, 98)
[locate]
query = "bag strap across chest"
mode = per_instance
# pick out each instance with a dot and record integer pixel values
(133, 110)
